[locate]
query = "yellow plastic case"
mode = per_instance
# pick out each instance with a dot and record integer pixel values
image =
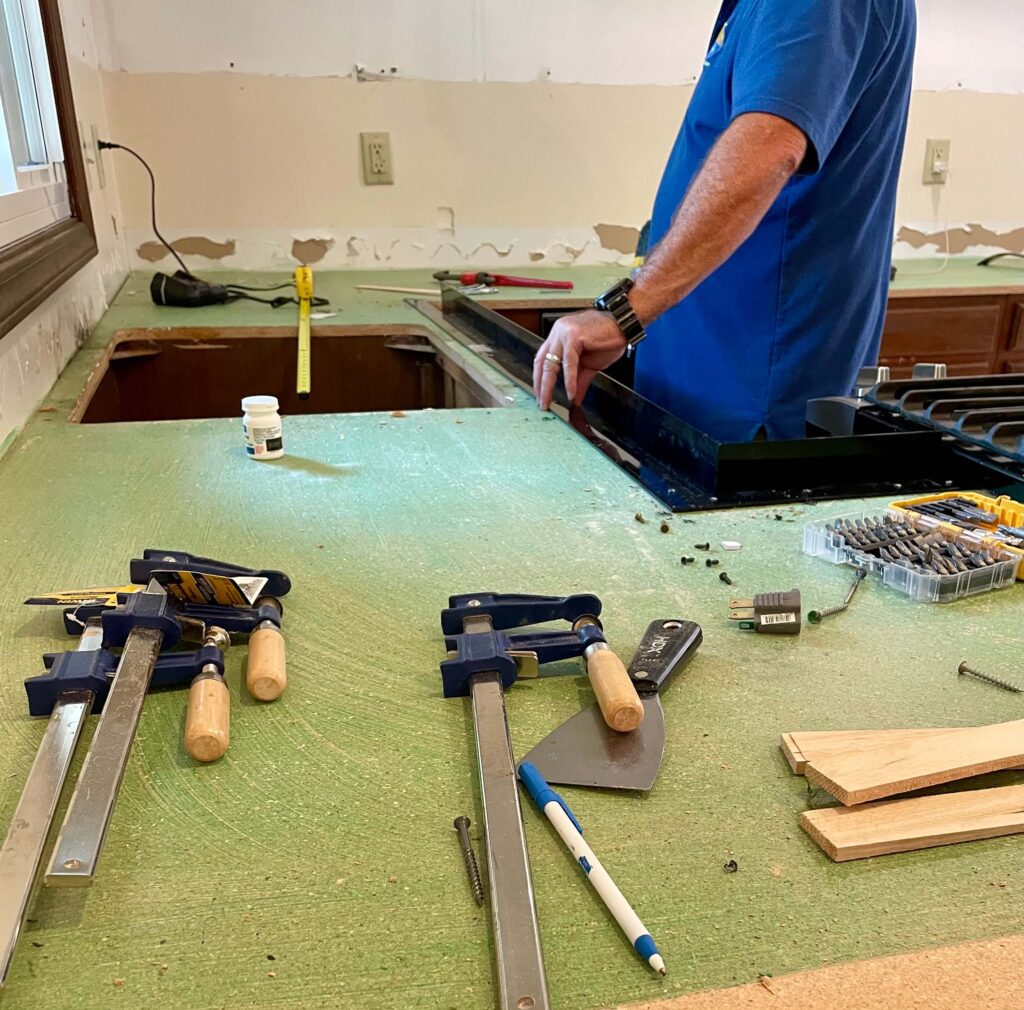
(1010, 513)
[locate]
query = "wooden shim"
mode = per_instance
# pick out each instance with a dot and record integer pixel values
(885, 767)
(903, 825)
(804, 746)
(793, 754)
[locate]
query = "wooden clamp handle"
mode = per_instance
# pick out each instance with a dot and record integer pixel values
(620, 704)
(266, 676)
(206, 724)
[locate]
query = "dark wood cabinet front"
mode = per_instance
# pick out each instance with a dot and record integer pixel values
(972, 334)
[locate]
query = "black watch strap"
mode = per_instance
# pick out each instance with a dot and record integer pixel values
(615, 301)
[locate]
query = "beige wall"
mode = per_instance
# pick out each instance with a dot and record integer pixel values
(523, 171)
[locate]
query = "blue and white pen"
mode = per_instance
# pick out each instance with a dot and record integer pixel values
(571, 832)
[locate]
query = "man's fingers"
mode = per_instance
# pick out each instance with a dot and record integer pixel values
(570, 368)
(539, 364)
(548, 377)
(584, 378)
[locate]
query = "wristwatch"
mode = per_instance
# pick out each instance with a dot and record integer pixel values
(615, 301)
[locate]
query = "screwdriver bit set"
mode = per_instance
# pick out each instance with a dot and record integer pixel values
(1000, 520)
(916, 554)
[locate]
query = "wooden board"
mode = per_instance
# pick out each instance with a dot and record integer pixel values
(979, 975)
(886, 767)
(808, 745)
(876, 829)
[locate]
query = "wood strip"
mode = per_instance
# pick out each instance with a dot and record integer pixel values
(885, 767)
(876, 829)
(793, 754)
(807, 745)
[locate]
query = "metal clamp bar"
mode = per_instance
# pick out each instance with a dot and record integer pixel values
(22, 852)
(77, 850)
(522, 984)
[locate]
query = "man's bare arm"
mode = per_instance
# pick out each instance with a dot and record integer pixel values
(735, 187)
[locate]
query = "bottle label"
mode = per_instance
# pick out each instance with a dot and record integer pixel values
(262, 438)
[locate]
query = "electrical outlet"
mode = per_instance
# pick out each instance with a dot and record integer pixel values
(936, 162)
(378, 168)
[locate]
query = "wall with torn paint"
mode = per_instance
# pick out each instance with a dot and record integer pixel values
(505, 122)
(35, 352)
(969, 46)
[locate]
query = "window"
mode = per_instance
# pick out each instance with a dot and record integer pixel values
(46, 230)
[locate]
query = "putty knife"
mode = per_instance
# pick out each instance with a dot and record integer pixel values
(584, 751)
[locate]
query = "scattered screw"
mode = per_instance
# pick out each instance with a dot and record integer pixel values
(703, 547)
(724, 576)
(1004, 684)
(817, 616)
(686, 561)
(711, 562)
(731, 867)
(469, 858)
(665, 528)
(639, 517)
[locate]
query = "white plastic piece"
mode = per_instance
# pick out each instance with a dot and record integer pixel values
(731, 545)
(261, 425)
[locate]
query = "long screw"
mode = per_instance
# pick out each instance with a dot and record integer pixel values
(817, 616)
(1004, 684)
(469, 858)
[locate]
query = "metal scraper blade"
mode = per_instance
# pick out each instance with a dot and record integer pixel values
(585, 751)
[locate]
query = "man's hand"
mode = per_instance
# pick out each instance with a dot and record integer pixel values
(585, 343)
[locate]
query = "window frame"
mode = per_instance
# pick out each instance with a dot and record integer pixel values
(34, 267)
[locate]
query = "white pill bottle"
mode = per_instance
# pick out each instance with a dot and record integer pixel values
(261, 424)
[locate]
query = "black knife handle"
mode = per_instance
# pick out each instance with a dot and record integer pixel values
(667, 646)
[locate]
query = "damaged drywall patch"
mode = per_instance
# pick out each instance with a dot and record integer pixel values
(564, 254)
(618, 237)
(500, 253)
(446, 220)
(191, 245)
(962, 238)
(311, 250)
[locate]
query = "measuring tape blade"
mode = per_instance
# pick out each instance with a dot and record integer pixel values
(304, 290)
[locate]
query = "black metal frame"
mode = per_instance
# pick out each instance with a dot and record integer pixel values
(689, 470)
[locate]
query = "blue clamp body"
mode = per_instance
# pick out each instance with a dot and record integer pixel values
(238, 620)
(542, 794)
(234, 619)
(141, 610)
(511, 610)
(94, 671)
(154, 560)
(495, 651)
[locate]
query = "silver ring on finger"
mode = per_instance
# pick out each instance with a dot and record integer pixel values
(553, 358)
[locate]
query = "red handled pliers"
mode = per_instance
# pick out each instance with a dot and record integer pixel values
(501, 280)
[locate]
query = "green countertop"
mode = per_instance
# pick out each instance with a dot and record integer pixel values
(316, 865)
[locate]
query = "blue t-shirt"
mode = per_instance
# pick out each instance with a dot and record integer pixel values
(798, 308)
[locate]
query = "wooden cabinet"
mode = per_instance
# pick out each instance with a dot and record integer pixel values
(972, 333)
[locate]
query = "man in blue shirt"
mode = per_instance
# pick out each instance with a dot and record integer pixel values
(772, 230)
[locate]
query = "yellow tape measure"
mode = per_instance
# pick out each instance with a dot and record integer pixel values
(304, 290)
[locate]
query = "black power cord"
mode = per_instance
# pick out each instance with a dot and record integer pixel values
(109, 145)
(185, 289)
